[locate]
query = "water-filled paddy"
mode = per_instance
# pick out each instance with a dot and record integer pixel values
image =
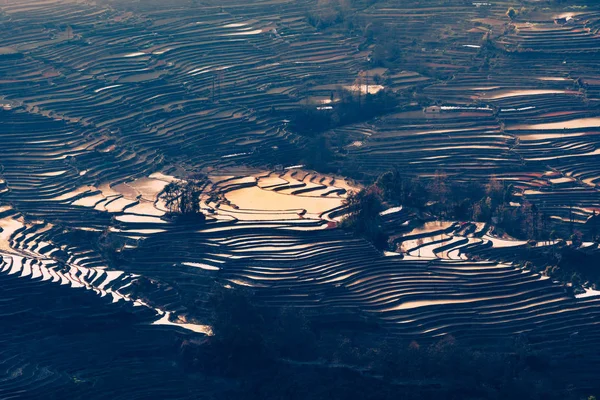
(570, 124)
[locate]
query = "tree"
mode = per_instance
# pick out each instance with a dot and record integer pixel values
(183, 197)
(576, 279)
(438, 187)
(495, 190)
(419, 245)
(477, 212)
(363, 215)
(576, 238)
(508, 193)
(391, 185)
(527, 220)
(171, 194)
(512, 13)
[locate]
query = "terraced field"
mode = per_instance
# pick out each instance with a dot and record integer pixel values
(525, 115)
(102, 108)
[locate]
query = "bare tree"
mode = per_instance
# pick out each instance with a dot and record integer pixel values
(183, 197)
(419, 245)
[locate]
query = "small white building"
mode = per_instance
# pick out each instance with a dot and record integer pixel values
(432, 110)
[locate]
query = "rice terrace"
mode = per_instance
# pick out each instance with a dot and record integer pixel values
(299, 199)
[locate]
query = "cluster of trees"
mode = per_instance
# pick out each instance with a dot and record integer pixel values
(341, 14)
(184, 197)
(329, 12)
(493, 202)
(386, 48)
(352, 107)
(363, 216)
(571, 265)
(276, 353)
(318, 154)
